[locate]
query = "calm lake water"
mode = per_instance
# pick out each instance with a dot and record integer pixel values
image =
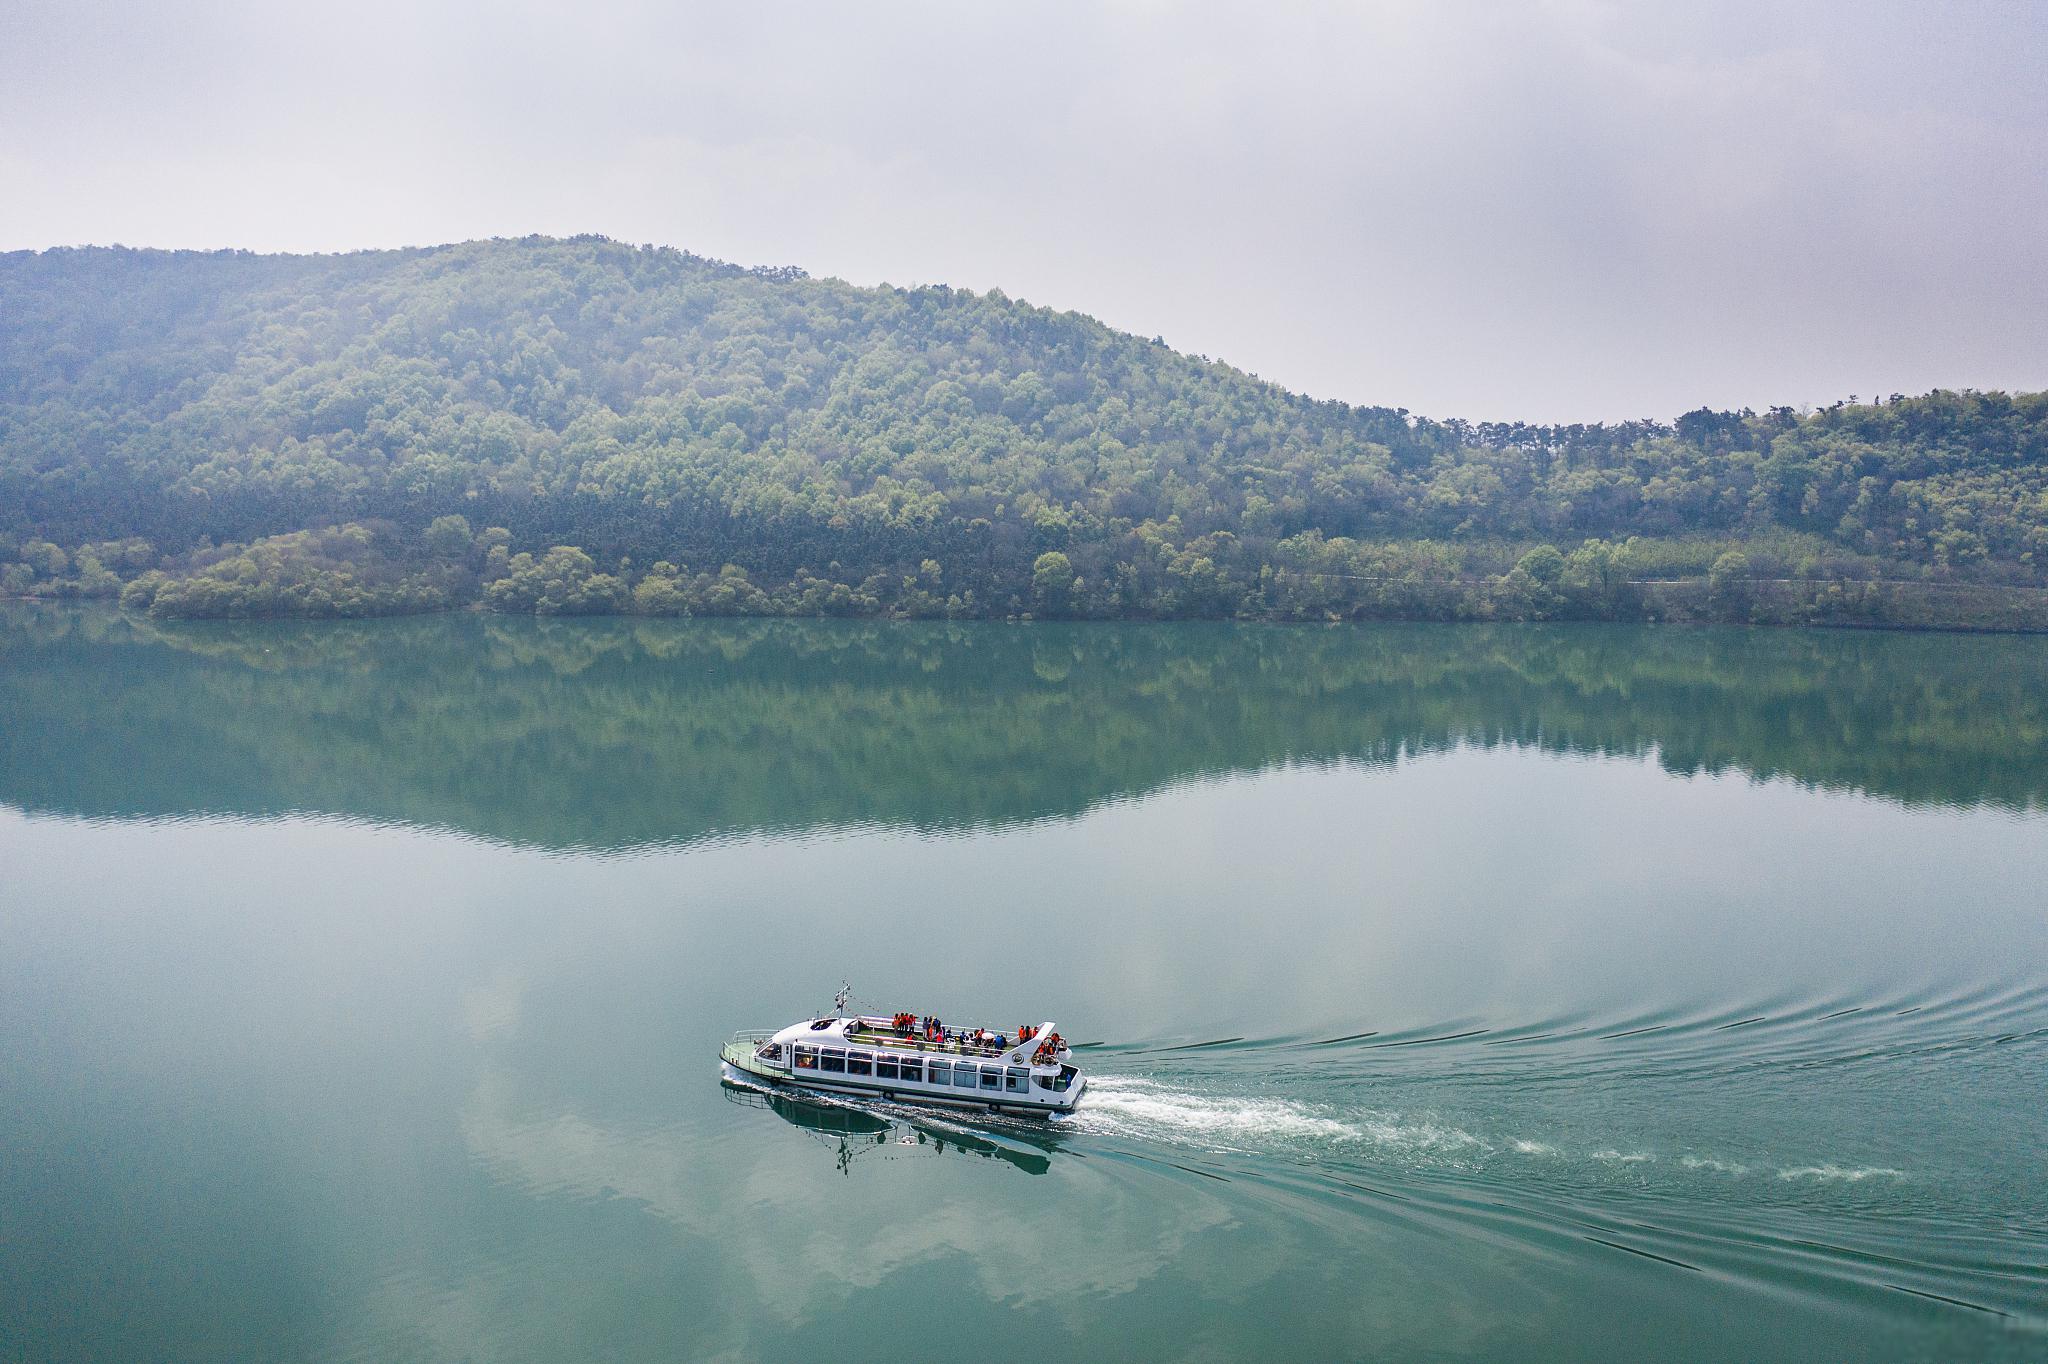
(1450, 992)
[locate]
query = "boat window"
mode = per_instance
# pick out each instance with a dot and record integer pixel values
(770, 1052)
(806, 1058)
(913, 1068)
(860, 1063)
(991, 1077)
(941, 1072)
(830, 1059)
(1016, 1081)
(885, 1067)
(963, 1076)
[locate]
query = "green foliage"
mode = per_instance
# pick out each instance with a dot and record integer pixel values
(1728, 583)
(44, 559)
(1544, 564)
(1729, 568)
(47, 570)
(1599, 566)
(341, 571)
(831, 441)
(1052, 582)
(562, 582)
(448, 537)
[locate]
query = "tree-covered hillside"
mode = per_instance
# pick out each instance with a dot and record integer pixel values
(583, 425)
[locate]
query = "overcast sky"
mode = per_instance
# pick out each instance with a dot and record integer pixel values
(1570, 211)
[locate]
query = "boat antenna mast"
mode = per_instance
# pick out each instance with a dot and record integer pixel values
(839, 1001)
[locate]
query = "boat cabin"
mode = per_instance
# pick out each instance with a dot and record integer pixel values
(904, 1057)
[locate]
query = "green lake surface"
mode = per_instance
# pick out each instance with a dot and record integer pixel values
(1447, 992)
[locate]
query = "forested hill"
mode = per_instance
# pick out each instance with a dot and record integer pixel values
(582, 425)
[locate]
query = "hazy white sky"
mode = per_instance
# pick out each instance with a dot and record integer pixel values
(1543, 210)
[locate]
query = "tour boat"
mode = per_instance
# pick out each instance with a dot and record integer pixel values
(915, 1060)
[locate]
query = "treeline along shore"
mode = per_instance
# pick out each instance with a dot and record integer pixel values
(586, 427)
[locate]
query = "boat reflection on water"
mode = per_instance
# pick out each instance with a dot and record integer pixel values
(853, 1131)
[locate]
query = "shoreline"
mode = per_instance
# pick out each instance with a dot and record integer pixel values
(1682, 620)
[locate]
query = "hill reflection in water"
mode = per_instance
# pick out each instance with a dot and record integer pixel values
(618, 735)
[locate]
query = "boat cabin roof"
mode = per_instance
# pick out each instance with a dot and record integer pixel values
(880, 1034)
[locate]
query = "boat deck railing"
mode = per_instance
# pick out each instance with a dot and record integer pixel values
(882, 1037)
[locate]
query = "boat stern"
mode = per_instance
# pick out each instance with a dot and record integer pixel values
(1072, 1098)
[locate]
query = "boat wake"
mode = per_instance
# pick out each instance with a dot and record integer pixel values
(1132, 1106)
(1638, 1134)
